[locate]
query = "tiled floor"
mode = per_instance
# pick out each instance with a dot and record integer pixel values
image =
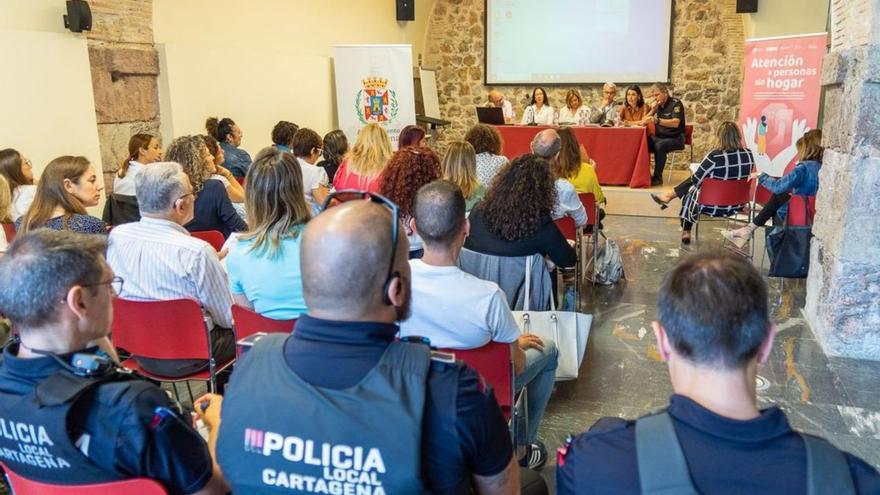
(622, 374)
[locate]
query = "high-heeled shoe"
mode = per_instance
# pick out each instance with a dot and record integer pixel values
(659, 201)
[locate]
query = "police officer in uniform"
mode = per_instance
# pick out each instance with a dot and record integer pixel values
(68, 415)
(668, 116)
(339, 406)
(714, 330)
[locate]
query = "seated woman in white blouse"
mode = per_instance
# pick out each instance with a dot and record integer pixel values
(574, 112)
(143, 149)
(539, 112)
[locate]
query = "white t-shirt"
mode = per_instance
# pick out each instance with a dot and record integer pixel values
(568, 204)
(456, 310)
(581, 116)
(125, 185)
(545, 116)
(22, 198)
(313, 178)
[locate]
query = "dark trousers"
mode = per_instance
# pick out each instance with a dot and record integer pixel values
(660, 146)
(222, 348)
(531, 483)
(773, 204)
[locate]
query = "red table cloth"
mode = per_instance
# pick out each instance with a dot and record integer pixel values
(620, 153)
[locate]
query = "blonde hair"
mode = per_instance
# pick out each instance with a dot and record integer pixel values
(575, 93)
(5, 201)
(370, 152)
(809, 146)
(460, 167)
(729, 138)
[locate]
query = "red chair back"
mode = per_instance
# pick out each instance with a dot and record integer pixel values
(240, 180)
(494, 363)
(567, 227)
(160, 329)
(212, 237)
(762, 194)
(9, 229)
(688, 134)
(589, 202)
(801, 210)
(717, 192)
(248, 322)
(135, 486)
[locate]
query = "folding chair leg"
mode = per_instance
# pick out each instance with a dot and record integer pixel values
(176, 395)
(192, 399)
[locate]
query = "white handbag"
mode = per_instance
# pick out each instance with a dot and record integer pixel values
(568, 329)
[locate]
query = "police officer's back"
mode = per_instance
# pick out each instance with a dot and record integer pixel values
(713, 330)
(66, 415)
(339, 404)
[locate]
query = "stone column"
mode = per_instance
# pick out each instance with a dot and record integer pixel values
(125, 68)
(843, 287)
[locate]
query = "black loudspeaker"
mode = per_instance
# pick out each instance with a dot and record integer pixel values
(746, 6)
(79, 16)
(406, 10)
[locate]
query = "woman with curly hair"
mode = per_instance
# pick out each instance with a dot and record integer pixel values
(486, 141)
(407, 171)
(282, 135)
(514, 219)
(363, 166)
(213, 209)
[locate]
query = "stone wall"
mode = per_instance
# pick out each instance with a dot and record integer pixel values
(843, 286)
(707, 59)
(125, 68)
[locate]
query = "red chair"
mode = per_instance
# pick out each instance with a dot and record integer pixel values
(173, 329)
(567, 228)
(495, 364)
(247, 323)
(801, 210)
(688, 141)
(212, 237)
(134, 486)
(761, 194)
(718, 192)
(592, 208)
(240, 180)
(9, 229)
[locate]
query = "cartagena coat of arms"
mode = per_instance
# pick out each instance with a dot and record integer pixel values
(376, 103)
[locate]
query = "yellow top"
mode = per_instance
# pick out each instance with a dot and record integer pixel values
(586, 181)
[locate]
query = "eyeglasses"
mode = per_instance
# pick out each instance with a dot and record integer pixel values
(193, 194)
(115, 283)
(345, 195)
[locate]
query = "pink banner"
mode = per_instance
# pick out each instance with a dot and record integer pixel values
(780, 97)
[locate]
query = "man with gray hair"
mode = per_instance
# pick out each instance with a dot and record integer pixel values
(608, 108)
(547, 144)
(162, 261)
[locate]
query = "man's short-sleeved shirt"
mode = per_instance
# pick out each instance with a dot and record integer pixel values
(170, 451)
(456, 310)
(725, 456)
(672, 109)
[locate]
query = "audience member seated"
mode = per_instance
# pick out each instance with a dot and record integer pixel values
(19, 174)
(803, 179)
(486, 141)
(234, 190)
(514, 219)
(609, 110)
(547, 144)
(68, 185)
(667, 113)
(407, 171)
(143, 149)
(575, 166)
(229, 135)
(282, 135)
(730, 161)
(364, 165)
(460, 167)
(92, 429)
(539, 111)
(713, 331)
(335, 148)
(213, 209)
(634, 111)
(411, 135)
(161, 261)
(5, 204)
(456, 310)
(263, 263)
(574, 112)
(496, 100)
(413, 424)
(307, 147)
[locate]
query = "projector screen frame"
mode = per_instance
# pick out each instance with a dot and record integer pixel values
(579, 83)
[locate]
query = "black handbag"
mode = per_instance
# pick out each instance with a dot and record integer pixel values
(788, 248)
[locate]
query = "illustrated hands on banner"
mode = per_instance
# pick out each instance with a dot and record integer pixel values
(773, 166)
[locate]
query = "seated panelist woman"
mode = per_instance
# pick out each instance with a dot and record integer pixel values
(539, 112)
(634, 111)
(574, 112)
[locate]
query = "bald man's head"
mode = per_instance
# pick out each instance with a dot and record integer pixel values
(495, 97)
(546, 144)
(345, 255)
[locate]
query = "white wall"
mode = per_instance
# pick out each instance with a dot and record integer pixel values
(786, 17)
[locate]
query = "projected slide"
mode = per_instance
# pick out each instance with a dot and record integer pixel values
(577, 41)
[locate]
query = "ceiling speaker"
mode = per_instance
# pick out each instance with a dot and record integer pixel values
(406, 10)
(746, 6)
(79, 16)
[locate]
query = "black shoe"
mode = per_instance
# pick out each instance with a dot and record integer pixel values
(536, 456)
(659, 201)
(656, 182)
